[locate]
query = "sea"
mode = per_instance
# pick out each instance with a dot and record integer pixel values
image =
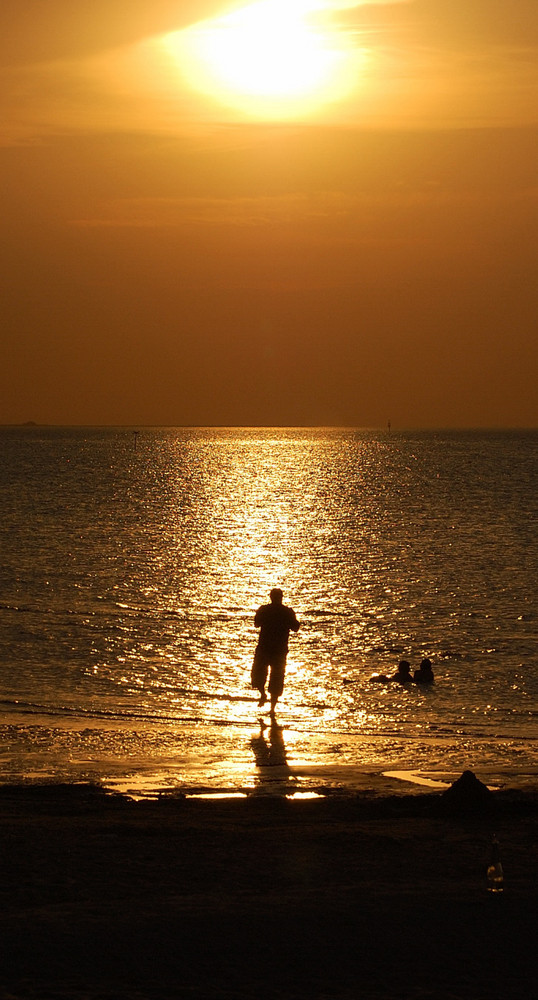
(133, 561)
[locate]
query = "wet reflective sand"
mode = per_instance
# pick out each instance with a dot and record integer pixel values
(264, 758)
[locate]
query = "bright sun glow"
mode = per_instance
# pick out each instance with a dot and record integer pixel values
(269, 59)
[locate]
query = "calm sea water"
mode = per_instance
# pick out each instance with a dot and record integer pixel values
(132, 564)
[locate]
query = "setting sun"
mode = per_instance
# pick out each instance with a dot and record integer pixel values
(270, 59)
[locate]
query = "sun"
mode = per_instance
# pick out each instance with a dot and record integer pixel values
(271, 59)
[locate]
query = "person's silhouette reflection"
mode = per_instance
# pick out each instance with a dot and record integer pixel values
(269, 751)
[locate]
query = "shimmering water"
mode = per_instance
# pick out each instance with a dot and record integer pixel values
(132, 565)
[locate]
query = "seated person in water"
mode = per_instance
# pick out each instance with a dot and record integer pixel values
(402, 675)
(424, 674)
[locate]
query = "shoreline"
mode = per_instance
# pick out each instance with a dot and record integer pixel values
(319, 781)
(250, 760)
(314, 782)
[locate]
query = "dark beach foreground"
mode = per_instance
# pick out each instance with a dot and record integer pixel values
(345, 896)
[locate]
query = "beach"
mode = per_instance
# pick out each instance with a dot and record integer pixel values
(373, 894)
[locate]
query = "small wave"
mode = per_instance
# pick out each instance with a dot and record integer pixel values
(58, 612)
(77, 712)
(30, 706)
(212, 695)
(118, 714)
(160, 613)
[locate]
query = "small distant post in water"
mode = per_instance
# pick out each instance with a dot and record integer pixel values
(388, 426)
(495, 874)
(135, 439)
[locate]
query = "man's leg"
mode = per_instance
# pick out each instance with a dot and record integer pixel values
(258, 678)
(276, 680)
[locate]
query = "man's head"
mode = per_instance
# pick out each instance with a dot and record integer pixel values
(276, 595)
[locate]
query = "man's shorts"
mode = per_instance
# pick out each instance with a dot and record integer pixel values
(260, 668)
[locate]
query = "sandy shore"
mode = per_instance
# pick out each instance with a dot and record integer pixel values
(257, 757)
(360, 895)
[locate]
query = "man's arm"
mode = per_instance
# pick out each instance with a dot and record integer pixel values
(294, 624)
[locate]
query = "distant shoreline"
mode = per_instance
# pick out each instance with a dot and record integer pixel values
(394, 430)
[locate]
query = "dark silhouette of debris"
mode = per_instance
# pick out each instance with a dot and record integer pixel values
(467, 794)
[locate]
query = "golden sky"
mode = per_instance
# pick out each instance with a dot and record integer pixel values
(275, 213)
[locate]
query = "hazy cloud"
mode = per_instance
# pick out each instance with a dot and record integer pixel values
(448, 23)
(43, 30)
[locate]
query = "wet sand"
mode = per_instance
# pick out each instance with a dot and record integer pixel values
(365, 895)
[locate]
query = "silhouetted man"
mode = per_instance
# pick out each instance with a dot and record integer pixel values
(275, 622)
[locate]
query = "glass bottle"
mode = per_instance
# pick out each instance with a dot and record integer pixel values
(495, 875)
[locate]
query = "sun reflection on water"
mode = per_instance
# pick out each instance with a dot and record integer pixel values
(372, 538)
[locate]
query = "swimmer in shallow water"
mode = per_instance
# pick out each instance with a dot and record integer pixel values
(402, 675)
(424, 674)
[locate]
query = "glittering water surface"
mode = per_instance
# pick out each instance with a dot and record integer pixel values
(132, 565)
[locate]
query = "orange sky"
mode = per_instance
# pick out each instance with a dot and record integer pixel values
(169, 257)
